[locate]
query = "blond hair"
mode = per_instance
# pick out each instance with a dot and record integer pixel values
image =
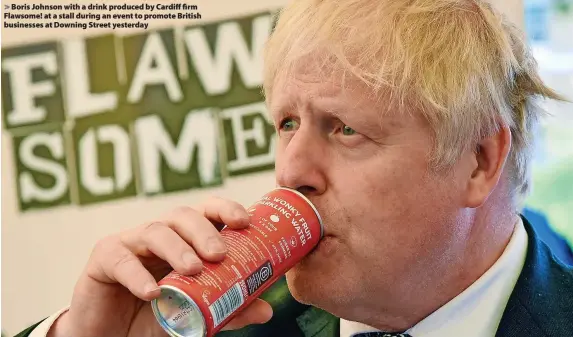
(457, 61)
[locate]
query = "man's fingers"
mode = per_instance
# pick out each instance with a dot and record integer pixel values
(226, 212)
(199, 232)
(179, 239)
(125, 268)
(169, 246)
(258, 312)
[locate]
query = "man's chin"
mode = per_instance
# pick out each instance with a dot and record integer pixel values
(320, 269)
(327, 248)
(318, 288)
(310, 266)
(301, 286)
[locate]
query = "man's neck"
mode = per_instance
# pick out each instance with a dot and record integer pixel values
(485, 243)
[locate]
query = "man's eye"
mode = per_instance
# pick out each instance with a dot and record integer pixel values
(288, 124)
(348, 131)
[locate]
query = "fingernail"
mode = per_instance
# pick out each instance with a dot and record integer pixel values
(214, 245)
(190, 259)
(244, 218)
(247, 220)
(150, 288)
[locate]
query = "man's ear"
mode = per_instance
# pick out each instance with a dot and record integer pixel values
(490, 157)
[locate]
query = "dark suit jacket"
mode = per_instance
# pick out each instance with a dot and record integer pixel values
(541, 304)
(559, 246)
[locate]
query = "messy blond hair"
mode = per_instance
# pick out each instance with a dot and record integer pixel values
(458, 62)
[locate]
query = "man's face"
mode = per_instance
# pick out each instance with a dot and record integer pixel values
(389, 221)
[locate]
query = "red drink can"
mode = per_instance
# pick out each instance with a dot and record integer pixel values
(285, 227)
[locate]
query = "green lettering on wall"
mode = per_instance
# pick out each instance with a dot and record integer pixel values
(104, 158)
(42, 177)
(31, 86)
(178, 158)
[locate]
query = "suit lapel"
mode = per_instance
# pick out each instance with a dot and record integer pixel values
(542, 295)
(517, 321)
(318, 323)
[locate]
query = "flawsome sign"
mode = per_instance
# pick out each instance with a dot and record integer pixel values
(94, 119)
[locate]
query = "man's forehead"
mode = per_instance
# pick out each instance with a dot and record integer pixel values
(300, 88)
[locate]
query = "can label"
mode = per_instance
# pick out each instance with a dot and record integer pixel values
(284, 228)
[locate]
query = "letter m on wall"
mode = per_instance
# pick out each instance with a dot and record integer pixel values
(174, 160)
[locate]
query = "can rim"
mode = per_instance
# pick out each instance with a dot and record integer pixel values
(308, 202)
(162, 320)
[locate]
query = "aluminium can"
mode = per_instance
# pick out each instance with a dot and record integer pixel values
(285, 226)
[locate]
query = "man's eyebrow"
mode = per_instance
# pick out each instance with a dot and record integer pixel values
(330, 105)
(279, 108)
(375, 120)
(341, 109)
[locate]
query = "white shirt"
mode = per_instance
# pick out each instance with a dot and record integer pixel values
(476, 312)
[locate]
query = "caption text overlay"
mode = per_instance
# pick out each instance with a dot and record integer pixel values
(92, 15)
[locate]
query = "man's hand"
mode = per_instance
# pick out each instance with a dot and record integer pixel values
(111, 296)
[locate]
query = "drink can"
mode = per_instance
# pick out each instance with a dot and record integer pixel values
(285, 227)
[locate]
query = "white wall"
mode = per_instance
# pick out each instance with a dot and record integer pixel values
(43, 252)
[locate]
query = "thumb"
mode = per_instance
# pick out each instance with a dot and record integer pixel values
(258, 312)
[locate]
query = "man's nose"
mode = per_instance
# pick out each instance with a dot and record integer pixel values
(300, 164)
